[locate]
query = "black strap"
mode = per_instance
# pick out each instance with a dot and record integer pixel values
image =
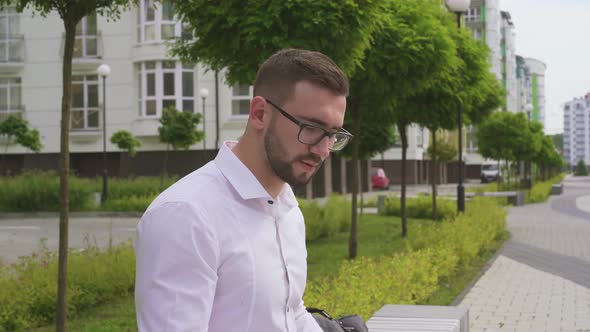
(319, 311)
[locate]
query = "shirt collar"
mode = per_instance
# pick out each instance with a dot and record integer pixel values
(242, 179)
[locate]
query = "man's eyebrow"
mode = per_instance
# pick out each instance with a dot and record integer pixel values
(319, 122)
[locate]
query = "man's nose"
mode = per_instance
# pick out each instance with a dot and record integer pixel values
(322, 149)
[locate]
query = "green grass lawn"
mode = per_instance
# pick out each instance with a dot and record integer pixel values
(378, 236)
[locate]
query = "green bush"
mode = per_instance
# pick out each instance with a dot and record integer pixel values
(419, 207)
(39, 191)
(434, 252)
(324, 221)
(29, 287)
(540, 191)
(130, 203)
(143, 186)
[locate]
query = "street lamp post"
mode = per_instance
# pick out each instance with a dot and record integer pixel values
(459, 7)
(104, 70)
(204, 93)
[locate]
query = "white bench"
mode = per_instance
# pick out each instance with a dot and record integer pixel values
(557, 189)
(515, 198)
(416, 318)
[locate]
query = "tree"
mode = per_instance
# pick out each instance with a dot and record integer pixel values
(557, 141)
(17, 129)
(70, 12)
(238, 39)
(126, 141)
(178, 129)
(438, 150)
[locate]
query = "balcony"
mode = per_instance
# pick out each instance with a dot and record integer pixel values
(11, 53)
(88, 51)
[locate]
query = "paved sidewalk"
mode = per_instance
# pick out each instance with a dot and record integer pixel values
(540, 281)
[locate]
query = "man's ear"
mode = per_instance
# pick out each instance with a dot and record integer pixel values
(257, 112)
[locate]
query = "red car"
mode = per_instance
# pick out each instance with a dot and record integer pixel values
(379, 179)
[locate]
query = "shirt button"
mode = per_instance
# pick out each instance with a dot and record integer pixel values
(270, 202)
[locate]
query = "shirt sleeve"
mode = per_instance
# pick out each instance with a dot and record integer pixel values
(305, 321)
(176, 273)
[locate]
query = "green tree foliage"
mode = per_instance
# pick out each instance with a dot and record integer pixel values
(16, 129)
(445, 150)
(126, 141)
(238, 37)
(179, 130)
(70, 12)
(581, 169)
(557, 141)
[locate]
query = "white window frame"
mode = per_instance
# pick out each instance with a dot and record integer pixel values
(11, 37)
(234, 97)
(158, 71)
(157, 23)
(84, 37)
(10, 83)
(86, 82)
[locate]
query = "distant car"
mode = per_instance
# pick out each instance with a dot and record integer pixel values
(379, 179)
(489, 173)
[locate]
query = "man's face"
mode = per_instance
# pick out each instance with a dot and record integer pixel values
(292, 161)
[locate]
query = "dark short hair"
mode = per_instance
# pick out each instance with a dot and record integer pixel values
(277, 76)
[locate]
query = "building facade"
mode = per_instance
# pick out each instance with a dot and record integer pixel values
(144, 80)
(576, 130)
(535, 88)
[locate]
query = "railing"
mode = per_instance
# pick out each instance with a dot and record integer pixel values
(81, 121)
(86, 47)
(11, 48)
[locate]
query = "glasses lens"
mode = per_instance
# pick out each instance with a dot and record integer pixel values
(340, 141)
(310, 135)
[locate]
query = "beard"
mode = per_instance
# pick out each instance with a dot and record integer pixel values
(276, 153)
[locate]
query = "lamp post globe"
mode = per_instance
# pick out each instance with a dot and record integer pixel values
(204, 93)
(104, 70)
(458, 5)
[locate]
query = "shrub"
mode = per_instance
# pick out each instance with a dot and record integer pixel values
(29, 287)
(581, 169)
(131, 203)
(540, 191)
(419, 207)
(139, 187)
(434, 253)
(324, 221)
(39, 191)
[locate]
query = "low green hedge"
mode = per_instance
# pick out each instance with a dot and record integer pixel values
(540, 191)
(323, 221)
(434, 252)
(419, 207)
(39, 191)
(29, 287)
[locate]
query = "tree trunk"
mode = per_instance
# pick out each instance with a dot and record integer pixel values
(61, 309)
(353, 240)
(433, 172)
(404, 138)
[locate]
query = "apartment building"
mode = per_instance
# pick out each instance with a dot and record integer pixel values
(576, 130)
(144, 79)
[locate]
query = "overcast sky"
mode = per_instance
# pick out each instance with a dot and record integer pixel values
(556, 32)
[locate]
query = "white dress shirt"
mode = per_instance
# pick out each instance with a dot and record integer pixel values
(215, 252)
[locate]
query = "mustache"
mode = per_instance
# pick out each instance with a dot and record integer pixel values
(315, 158)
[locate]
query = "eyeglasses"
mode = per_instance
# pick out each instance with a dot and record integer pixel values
(311, 135)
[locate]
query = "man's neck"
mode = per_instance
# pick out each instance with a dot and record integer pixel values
(257, 163)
